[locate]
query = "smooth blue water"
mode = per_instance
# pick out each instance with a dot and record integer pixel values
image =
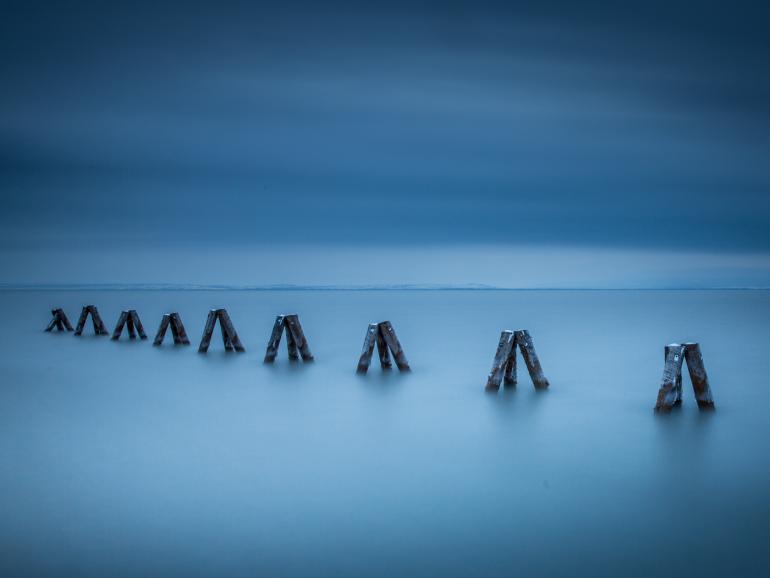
(121, 459)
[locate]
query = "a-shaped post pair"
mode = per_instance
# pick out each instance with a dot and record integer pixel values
(99, 328)
(295, 339)
(670, 393)
(177, 330)
(129, 319)
(383, 334)
(229, 336)
(504, 365)
(59, 321)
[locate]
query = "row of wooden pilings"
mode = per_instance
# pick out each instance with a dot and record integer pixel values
(384, 337)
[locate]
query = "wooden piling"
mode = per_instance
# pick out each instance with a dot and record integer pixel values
(178, 330)
(389, 335)
(531, 360)
(504, 363)
(296, 343)
(670, 392)
(698, 377)
(119, 325)
(384, 336)
(96, 319)
(294, 328)
(229, 335)
(368, 349)
(130, 320)
(275, 340)
(130, 327)
(60, 321)
(165, 321)
(174, 322)
(208, 331)
(505, 350)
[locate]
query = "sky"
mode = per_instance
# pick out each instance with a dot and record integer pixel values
(522, 145)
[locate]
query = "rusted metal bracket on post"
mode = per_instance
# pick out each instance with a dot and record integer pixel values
(384, 336)
(99, 328)
(129, 319)
(296, 342)
(178, 332)
(670, 392)
(59, 321)
(504, 364)
(229, 336)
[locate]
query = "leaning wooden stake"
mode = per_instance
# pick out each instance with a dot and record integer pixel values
(59, 321)
(229, 336)
(504, 364)
(178, 332)
(91, 310)
(296, 342)
(129, 319)
(670, 392)
(384, 336)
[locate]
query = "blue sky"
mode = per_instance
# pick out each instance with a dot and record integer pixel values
(624, 138)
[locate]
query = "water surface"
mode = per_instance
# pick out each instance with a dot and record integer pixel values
(121, 459)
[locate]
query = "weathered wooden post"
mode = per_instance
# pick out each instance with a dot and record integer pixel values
(504, 363)
(59, 321)
(384, 336)
(91, 310)
(178, 332)
(296, 342)
(229, 336)
(670, 392)
(129, 319)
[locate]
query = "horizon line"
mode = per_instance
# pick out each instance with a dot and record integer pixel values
(340, 287)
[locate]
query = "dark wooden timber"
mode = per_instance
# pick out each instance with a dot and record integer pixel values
(382, 351)
(368, 349)
(225, 337)
(291, 346)
(60, 321)
(130, 320)
(505, 350)
(384, 336)
(504, 363)
(165, 321)
(229, 335)
(389, 335)
(134, 321)
(96, 319)
(294, 329)
(524, 341)
(119, 325)
(232, 335)
(275, 340)
(698, 377)
(208, 331)
(670, 392)
(678, 384)
(510, 379)
(296, 343)
(130, 326)
(174, 322)
(178, 330)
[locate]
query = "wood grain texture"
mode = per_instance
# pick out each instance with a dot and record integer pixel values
(368, 348)
(208, 331)
(700, 381)
(531, 360)
(672, 375)
(505, 348)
